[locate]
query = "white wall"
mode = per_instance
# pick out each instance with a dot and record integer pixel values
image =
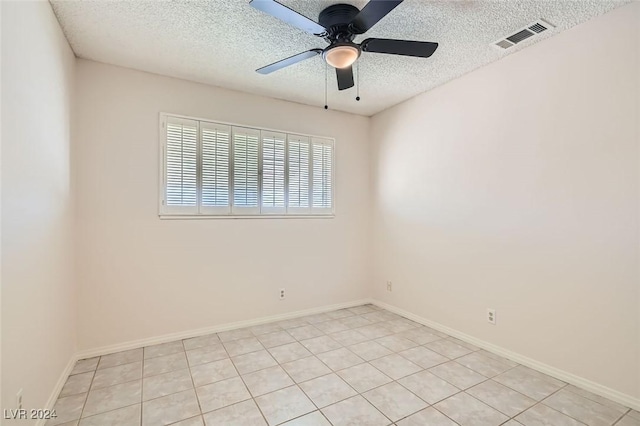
(142, 277)
(638, 136)
(516, 187)
(38, 290)
(1, 400)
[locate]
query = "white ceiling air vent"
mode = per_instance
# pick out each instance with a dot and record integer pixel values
(522, 34)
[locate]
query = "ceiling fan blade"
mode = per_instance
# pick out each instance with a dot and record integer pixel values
(289, 61)
(422, 49)
(371, 13)
(290, 16)
(345, 77)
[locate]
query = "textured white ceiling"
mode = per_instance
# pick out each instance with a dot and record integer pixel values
(222, 42)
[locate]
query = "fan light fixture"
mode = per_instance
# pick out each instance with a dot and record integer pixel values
(341, 55)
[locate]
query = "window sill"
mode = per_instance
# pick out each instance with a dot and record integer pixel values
(229, 216)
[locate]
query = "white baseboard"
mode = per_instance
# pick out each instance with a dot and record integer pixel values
(134, 344)
(51, 402)
(596, 388)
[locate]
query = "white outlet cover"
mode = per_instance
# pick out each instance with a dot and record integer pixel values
(491, 316)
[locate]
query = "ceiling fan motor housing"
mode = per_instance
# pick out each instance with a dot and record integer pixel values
(336, 19)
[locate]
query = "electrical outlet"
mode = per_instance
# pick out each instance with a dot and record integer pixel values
(389, 286)
(491, 316)
(19, 400)
(281, 293)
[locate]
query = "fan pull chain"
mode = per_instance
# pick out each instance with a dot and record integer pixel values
(357, 81)
(326, 83)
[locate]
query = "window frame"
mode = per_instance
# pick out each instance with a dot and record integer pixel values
(231, 211)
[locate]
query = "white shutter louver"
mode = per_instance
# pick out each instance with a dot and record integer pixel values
(216, 150)
(322, 194)
(180, 165)
(273, 172)
(246, 144)
(299, 173)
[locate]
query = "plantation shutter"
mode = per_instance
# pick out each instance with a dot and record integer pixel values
(322, 193)
(273, 172)
(246, 147)
(212, 169)
(215, 168)
(180, 166)
(299, 172)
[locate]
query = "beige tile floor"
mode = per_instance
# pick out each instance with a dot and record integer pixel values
(356, 366)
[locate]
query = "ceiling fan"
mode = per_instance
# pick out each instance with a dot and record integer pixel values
(338, 24)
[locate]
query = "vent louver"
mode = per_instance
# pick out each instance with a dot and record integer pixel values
(522, 34)
(504, 44)
(518, 37)
(537, 28)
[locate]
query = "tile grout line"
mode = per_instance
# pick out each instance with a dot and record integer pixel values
(299, 387)
(84, 405)
(580, 421)
(128, 381)
(626, 411)
(334, 372)
(191, 375)
(623, 416)
(551, 408)
(245, 386)
(144, 350)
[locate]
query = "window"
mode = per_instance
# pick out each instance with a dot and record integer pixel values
(221, 170)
